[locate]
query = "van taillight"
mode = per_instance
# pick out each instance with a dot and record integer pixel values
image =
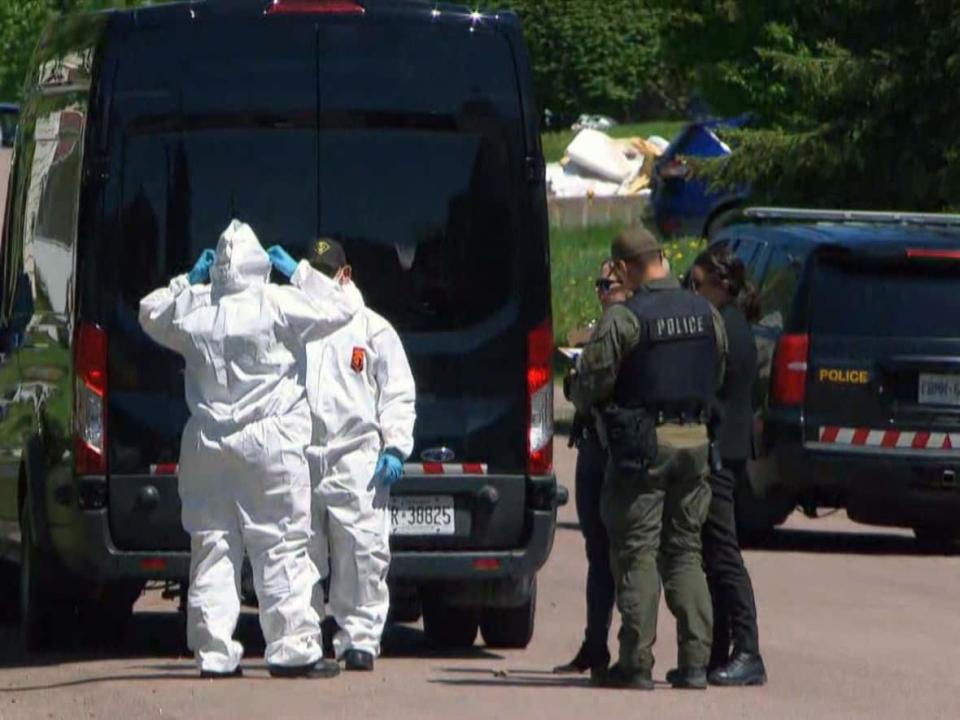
(789, 381)
(332, 7)
(90, 400)
(540, 399)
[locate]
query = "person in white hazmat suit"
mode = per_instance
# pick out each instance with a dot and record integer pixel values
(362, 397)
(243, 478)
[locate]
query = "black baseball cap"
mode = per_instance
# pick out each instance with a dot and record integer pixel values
(327, 256)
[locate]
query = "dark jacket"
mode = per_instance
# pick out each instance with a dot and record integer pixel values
(735, 434)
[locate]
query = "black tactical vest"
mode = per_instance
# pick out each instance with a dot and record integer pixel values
(673, 370)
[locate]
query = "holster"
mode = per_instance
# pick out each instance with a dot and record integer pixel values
(632, 437)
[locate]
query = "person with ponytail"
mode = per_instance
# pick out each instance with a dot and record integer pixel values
(720, 277)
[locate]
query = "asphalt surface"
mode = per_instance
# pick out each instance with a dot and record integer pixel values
(855, 623)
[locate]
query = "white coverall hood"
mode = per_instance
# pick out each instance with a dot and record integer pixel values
(241, 261)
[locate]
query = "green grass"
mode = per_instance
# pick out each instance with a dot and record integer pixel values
(555, 143)
(576, 255)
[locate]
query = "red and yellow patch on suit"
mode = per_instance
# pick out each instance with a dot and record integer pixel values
(358, 360)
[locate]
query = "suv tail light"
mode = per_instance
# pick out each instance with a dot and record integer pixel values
(342, 7)
(90, 399)
(789, 381)
(540, 399)
(674, 169)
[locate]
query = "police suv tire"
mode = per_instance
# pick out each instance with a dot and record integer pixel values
(758, 516)
(448, 627)
(42, 612)
(510, 628)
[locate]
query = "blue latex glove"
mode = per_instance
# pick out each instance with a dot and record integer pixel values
(281, 261)
(389, 469)
(201, 270)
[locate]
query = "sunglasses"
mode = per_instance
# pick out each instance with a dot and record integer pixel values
(605, 285)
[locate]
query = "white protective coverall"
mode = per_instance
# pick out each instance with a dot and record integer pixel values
(362, 397)
(243, 477)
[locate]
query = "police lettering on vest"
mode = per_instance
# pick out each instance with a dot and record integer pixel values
(676, 328)
(673, 370)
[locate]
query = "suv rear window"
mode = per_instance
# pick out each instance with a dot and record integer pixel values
(871, 298)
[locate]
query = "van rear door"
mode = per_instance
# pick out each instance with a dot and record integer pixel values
(423, 178)
(210, 119)
(884, 371)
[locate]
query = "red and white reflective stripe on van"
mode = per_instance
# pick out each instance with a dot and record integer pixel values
(889, 439)
(409, 469)
(445, 469)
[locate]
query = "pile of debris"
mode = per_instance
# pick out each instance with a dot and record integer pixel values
(596, 165)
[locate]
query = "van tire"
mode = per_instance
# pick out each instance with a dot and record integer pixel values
(407, 610)
(510, 628)
(42, 611)
(10, 597)
(758, 516)
(105, 618)
(447, 627)
(938, 539)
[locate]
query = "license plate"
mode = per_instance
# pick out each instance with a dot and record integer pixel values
(422, 515)
(937, 389)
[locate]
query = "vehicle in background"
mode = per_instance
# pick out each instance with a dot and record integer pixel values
(860, 367)
(683, 206)
(9, 119)
(143, 133)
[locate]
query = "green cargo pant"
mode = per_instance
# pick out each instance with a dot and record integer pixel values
(655, 520)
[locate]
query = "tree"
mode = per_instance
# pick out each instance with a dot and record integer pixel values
(854, 100)
(597, 57)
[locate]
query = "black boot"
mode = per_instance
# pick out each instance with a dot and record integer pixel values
(620, 679)
(585, 659)
(744, 669)
(688, 678)
(358, 660)
(322, 670)
(211, 675)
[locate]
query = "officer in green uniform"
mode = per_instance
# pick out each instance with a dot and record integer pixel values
(651, 371)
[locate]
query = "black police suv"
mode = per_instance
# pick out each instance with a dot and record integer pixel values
(408, 131)
(860, 377)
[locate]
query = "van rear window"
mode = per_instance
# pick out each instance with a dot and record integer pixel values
(868, 298)
(405, 142)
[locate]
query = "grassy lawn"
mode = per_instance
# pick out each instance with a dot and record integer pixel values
(575, 265)
(555, 143)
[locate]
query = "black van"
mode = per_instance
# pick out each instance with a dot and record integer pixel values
(860, 390)
(405, 129)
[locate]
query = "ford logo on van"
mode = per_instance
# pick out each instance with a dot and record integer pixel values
(438, 455)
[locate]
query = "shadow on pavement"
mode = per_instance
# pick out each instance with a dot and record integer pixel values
(406, 641)
(845, 543)
(489, 677)
(162, 636)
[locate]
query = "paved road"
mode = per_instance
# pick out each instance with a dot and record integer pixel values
(855, 624)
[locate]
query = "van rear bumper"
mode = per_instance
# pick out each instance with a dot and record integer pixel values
(88, 550)
(481, 564)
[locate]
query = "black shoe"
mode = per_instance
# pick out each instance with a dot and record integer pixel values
(584, 660)
(745, 669)
(322, 670)
(358, 660)
(211, 675)
(620, 679)
(688, 678)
